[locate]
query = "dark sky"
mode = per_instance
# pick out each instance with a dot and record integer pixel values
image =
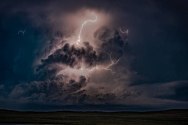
(43, 66)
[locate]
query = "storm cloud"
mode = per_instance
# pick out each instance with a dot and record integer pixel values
(147, 66)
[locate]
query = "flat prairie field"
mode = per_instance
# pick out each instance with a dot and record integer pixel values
(169, 117)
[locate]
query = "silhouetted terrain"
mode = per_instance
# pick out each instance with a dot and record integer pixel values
(169, 117)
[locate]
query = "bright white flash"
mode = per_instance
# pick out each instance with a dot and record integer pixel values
(82, 26)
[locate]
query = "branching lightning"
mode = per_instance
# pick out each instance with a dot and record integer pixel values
(78, 41)
(104, 68)
(82, 26)
(111, 64)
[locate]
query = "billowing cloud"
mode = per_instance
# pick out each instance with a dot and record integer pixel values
(47, 64)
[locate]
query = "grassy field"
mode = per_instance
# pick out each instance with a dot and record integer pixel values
(170, 117)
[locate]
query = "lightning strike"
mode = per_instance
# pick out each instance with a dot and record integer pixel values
(82, 26)
(111, 64)
(127, 31)
(21, 32)
(104, 68)
(96, 67)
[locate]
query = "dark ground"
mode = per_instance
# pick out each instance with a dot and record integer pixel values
(170, 117)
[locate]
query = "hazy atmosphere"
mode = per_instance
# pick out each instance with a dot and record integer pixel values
(111, 55)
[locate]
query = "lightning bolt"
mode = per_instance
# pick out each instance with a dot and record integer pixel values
(105, 68)
(110, 55)
(111, 64)
(21, 32)
(82, 26)
(127, 31)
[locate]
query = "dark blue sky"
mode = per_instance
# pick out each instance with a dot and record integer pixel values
(41, 68)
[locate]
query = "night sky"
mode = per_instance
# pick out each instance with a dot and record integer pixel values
(111, 55)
